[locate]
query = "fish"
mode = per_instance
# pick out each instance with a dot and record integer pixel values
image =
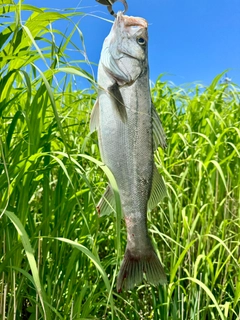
(129, 130)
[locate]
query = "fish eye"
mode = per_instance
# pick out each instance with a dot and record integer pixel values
(141, 41)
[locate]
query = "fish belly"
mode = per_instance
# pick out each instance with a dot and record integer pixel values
(127, 149)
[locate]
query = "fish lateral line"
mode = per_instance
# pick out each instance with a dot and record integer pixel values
(128, 108)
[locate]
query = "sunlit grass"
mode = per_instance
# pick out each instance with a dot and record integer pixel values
(58, 258)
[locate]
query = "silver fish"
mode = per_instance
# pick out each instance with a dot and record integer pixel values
(129, 130)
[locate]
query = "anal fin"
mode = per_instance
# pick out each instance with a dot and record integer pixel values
(94, 120)
(106, 204)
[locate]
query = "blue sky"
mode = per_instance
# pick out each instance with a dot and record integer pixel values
(189, 41)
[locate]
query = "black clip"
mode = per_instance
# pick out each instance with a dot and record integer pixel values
(109, 4)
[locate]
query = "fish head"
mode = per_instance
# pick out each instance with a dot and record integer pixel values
(129, 37)
(125, 49)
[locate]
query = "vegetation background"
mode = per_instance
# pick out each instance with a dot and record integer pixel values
(59, 260)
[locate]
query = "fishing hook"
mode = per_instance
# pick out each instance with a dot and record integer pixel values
(109, 4)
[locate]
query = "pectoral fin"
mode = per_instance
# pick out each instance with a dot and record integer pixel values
(158, 191)
(106, 204)
(159, 137)
(111, 66)
(118, 102)
(94, 120)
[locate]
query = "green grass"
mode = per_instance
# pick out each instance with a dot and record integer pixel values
(59, 260)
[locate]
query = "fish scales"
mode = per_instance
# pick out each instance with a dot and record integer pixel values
(123, 116)
(133, 153)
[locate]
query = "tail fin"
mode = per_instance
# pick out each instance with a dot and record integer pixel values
(133, 267)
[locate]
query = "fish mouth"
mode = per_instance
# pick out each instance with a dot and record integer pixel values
(130, 21)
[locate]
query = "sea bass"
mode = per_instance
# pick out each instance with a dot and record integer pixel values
(129, 130)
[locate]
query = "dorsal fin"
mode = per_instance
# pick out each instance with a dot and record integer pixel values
(158, 191)
(159, 137)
